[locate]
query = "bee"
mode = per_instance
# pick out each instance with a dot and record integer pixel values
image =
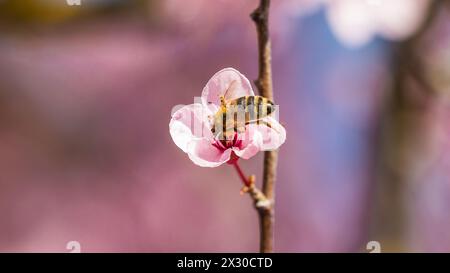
(234, 115)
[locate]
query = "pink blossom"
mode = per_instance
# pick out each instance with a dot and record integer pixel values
(190, 126)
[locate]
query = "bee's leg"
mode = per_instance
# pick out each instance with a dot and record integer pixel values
(222, 101)
(261, 122)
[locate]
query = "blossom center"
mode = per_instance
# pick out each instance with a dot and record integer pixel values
(225, 144)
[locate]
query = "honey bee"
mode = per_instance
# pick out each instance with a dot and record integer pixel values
(234, 115)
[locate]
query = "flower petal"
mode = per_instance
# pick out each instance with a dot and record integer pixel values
(229, 83)
(272, 138)
(251, 144)
(189, 123)
(204, 154)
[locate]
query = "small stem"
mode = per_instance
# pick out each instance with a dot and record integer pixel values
(262, 204)
(244, 179)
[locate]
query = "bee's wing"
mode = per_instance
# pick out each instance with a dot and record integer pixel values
(233, 92)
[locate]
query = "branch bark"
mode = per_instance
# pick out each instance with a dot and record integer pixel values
(264, 84)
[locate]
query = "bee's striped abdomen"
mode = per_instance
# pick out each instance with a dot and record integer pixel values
(240, 112)
(224, 121)
(258, 107)
(250, 107)
(236, 114)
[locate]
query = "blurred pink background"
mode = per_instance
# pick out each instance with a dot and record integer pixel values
(86, 95)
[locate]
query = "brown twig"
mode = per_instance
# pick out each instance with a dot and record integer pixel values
(259, 199)
(264, 84)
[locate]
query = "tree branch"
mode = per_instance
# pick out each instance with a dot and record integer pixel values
(264, 84)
